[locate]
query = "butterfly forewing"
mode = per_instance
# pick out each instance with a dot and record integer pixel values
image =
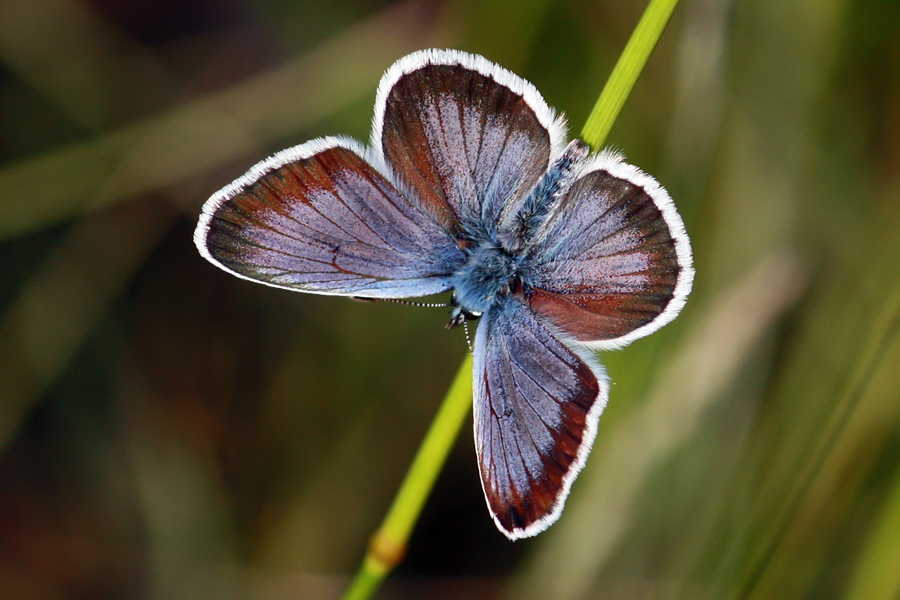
(320, 218)
(611, 263)
(463, 141)
(536, 409)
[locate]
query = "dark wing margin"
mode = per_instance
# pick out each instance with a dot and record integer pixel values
(321, 218)
(614, 259)
(537, 403)
(464, 135)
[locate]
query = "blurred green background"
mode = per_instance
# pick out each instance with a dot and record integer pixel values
(168, 431)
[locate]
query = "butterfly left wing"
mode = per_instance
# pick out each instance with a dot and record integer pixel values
(321, 218)
(612, 261)
(537, 402)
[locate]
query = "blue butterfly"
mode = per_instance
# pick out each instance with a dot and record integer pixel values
(469, 185)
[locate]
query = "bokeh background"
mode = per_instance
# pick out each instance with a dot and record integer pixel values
(168, 431)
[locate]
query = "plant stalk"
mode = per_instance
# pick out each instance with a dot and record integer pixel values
(388, 545)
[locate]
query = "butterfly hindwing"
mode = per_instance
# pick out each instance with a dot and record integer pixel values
(537, 403)
(320, 218)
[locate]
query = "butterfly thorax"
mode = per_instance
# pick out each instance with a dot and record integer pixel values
(489, 274)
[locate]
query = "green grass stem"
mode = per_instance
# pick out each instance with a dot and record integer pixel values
(626, 72)
(388, 545)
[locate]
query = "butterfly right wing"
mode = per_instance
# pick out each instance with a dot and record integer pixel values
(537, 403)
(612, 263)
(320, 218)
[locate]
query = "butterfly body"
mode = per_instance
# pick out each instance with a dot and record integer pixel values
(499, 261)
(469, 185)
(487, 275)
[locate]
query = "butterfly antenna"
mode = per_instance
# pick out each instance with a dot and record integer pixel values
(406, 302)
(468, 339)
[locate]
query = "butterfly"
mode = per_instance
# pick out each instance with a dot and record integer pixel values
(469, 184)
